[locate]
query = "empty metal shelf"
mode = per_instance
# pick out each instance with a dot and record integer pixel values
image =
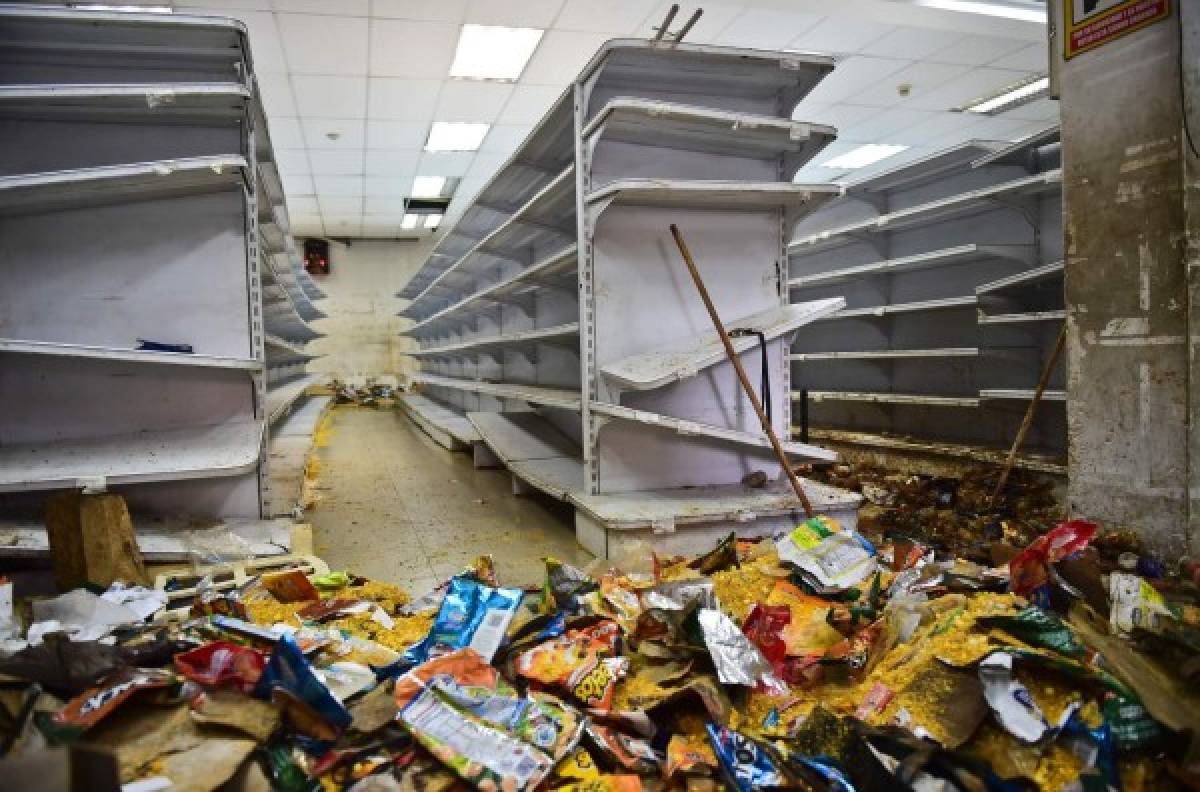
(959, 254)
(448, 427)
(533, 394)
(545, 335)
(1030, 277)
(1022, 318)
(282, 396)
(889, 398)
(17, 347)
(887, 354)
(879, 311)
(724, 195)
(1021, 394)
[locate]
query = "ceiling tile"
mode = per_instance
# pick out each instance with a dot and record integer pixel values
(561, 56)
(348, 132)
(760, 28)
(276, 90)
(445, 163)
(922, 78)
(308, 226)
(939, 125)
(622, 16)
(336, 163)
(996, 128)
(301, 205)
(978, 50)
(265, 46)
(513, 13)
(836, 35)
(330, 97)
(471, 100)
(392, 163)
(340, 204)
(384, 203)
(814, 174)
(387, 185)
(292, 161)
(880, 127)
(1031, 58)
(528, 103)
(338, 185)
(716, 17)
(396, 99)
(959, 91)
(1037, 110)
(222, 5)
(350, 8)
(838, 116)
(910, 42)
(852, 75)
(285, 132)
(505, 138)
(396, 134)
(428, 10)
(324, 44)
(412, 48)
(297, 183)
(343, 226)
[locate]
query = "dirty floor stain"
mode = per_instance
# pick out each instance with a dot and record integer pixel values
(395, 506)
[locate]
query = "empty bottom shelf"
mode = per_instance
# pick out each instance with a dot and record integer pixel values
(448, 427)
(889, 398)
(539, 454)
(280, 398)
(993, 456)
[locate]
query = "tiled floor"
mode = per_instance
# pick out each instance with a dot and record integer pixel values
(396, 506)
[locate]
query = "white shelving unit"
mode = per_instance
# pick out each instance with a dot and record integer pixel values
(952, 274)
(556, 317)
(156, 232)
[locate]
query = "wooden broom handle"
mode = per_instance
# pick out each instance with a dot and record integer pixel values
(741, 373)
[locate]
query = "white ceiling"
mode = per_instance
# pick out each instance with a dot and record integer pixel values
(374, 72)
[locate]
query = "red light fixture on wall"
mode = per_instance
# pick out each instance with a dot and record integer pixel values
(316, 256)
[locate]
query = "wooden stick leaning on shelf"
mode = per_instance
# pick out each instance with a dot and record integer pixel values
(1028, 420)
(741, 373)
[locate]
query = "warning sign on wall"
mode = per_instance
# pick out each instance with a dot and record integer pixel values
(1090, 23)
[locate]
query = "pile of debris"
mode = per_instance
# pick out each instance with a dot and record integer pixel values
(821, 659)
(369, 395)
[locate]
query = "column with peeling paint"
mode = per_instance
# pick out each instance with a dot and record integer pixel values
(1130, 197)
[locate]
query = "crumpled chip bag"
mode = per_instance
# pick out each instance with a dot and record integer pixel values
(745, 764)
(222, 663)
(92, 706)
(581, 663)
(689, 755)
(461, 710)
(618, 749)
(1029, 570)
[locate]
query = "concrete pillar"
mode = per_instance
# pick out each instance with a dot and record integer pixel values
(1131, 225)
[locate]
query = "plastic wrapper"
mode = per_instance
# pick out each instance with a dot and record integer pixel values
(471, 615)
(563, 587)
(737, 660)
(577, 765)
(1029, 570)
(680, 595)
(829, 559)
(90, 707)
(216, 546)
(807, 631)
(620, 751)
(82, 615)
(324, 610)
(581, 663)
(331, 581)
(1038, 627)
(855, 657)
(209, 601)
(1135, 604)
(290, 674)
(222, 663)
(689, 755)
(290, 585)
(1012, 703)
(605, 783)
(745, 764)
(723, 556)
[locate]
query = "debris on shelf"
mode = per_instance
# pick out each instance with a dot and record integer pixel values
(369, 395)
(820, 659)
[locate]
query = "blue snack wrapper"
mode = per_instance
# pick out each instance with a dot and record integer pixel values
(471, 615)
(828, 770)
(746, 765)
(289, 671)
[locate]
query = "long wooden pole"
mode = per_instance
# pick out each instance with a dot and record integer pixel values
(1027, 422)
(741, 373)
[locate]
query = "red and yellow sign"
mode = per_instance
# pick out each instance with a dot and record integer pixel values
(1090, 23)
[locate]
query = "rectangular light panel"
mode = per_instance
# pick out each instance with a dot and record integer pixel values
(863, 156)
(455, 136)
(486, 52)
(428, 186)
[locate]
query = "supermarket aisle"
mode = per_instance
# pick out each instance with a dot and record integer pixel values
(398, 507)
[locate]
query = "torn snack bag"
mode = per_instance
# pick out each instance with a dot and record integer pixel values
(90, 707)
(577, 765)
(738, 662)
(689, 755)
(222, 663)
(288, 672)
(605, 783)
(210, 601)
(471, 615)
(1029, 570)
(324, 610)
(1013, 704)
(564, 586)
(620, 751)
(829, 560)
(582, 663)
(746, 765)
(808, 630)
(290, 585)
(1134, 604)
(723, 556)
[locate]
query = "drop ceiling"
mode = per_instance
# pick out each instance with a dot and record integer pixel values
(351, 87)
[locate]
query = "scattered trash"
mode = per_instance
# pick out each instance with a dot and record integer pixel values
(821, 659)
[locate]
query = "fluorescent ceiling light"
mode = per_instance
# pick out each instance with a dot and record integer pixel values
(1026, 12)
(129, 8)
(1009, 98)
(431, 221)
(409, 222)
(455, 136)
(428, 186)
(493, 53)
(863, 156)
